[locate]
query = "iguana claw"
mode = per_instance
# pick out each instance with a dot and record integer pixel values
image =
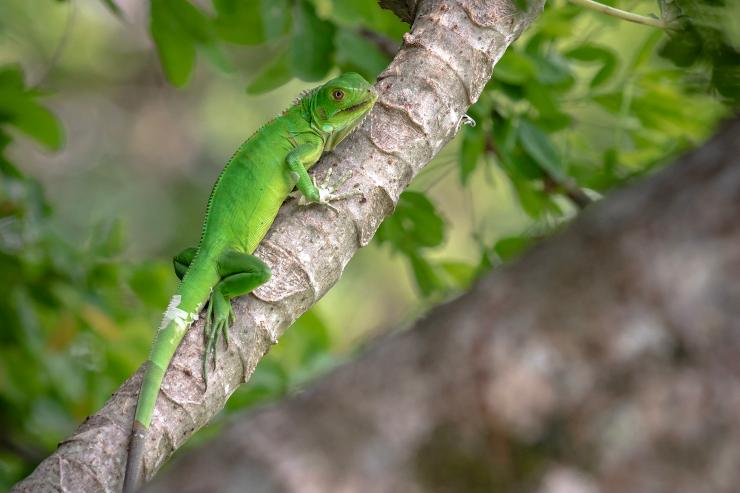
(465, 120)
(327, 192)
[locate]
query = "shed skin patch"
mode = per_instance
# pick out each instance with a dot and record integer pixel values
(175, 314)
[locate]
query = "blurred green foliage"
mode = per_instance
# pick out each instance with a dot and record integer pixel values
(572, 110)
(307, 45)
(62, 304)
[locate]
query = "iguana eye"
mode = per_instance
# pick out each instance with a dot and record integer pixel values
(337, 94)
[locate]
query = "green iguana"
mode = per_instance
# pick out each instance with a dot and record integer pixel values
(241, 208)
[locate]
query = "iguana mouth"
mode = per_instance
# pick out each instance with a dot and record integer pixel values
(357, 106)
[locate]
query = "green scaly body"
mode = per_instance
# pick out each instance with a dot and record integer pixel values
(242, 206)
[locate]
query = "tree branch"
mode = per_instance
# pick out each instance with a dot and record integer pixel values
(605, 360)
(439, 72)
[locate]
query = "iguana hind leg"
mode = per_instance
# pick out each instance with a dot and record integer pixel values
(240, 273)
(182, 261)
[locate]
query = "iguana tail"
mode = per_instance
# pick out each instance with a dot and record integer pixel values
(181, 312)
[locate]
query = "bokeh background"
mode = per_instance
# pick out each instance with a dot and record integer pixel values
(117, 116)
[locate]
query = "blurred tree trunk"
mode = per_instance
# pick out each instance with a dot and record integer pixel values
(605, 360)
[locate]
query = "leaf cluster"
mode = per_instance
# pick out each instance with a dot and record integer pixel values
(62, 304)
(305, 39)
(567, 116)
(706, 42)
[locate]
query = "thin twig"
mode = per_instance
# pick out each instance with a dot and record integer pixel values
(622, 14)
(61, 45)
(385, 44)
(567, 187)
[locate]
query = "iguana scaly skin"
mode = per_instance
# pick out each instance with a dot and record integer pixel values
(242, 206)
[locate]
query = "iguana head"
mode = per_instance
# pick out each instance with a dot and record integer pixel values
(340, 105)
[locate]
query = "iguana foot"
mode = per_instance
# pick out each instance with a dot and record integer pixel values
(219, 318)
(240, 274)
(327, 192)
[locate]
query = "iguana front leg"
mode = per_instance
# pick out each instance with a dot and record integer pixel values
(240, 274)
(304, 156)
(298, 160)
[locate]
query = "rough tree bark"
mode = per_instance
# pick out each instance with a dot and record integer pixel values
(441, 69)
(606, 360)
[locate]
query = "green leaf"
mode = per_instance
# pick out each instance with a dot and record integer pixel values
(314, 336)
(239, 21)
(177, 28)
(471, 150)
(538, 145)
(18, 107)
(592, 53)
(190, 20)
(683, 47)
(37, 122)
(524, 165)
(605, 72)
(414, 225)
(533, 201)
(552, 70)
(646, 50)
(175, 48)
(543, 99)
(611, 102)
(559, 22)
(726, 75)
(216, 56)
(312, 46)
(366, 13)
(425, 275)
(514, 68)
(356, 54)
(462, 274)
(510, 247)
(276, 17)
(274, 75)
(11, 78)
(7, 169)
(504, 134)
